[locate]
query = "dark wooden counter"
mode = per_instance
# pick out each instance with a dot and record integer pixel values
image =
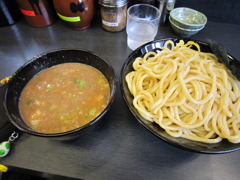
(119, 147)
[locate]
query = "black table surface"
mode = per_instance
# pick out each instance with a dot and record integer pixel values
(119, 147)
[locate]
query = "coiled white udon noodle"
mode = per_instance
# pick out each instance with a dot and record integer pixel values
(187, 92)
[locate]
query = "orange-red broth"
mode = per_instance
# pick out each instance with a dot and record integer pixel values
(64, 97)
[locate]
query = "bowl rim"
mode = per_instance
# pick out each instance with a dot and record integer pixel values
(188, 24)
(129, 60)
(183, 29)
(112, 95)
(144, 6)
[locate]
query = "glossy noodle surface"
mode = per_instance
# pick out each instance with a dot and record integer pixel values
(64, 97)
(187, 92)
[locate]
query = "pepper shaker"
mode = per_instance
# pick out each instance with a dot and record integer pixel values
(114, 14)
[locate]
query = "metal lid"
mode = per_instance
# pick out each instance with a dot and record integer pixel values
(117, 3)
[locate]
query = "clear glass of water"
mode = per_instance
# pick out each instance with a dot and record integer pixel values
(142, 24)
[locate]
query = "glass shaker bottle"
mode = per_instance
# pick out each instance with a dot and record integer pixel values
(114, 14)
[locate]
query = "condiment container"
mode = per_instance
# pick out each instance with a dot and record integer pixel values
(75, 14)
(37, 13)
(165, 6)
(114, 14)
(9, 12)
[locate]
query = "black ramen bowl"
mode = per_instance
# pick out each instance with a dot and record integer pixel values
(218, 148)
(42, 62)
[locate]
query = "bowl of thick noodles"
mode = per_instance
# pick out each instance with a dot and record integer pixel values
(60, 94)
(179, 91)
